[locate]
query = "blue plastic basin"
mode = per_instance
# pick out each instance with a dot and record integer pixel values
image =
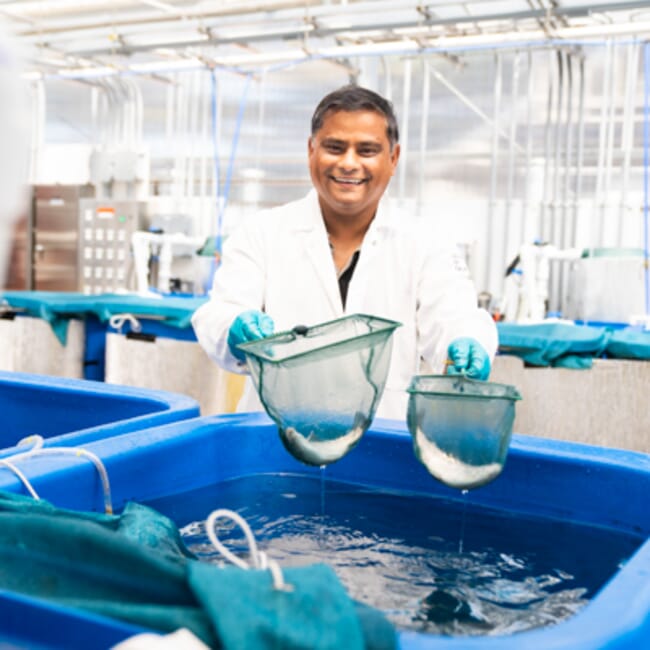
(72, 412)
(542, 478)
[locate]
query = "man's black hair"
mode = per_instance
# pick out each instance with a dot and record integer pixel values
(355, 98)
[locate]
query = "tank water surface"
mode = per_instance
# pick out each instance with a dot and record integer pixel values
(400, 552)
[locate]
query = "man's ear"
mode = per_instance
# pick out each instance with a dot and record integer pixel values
(310, 145)
(394, 156)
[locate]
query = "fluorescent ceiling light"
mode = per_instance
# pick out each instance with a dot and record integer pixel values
(166, 66)
(262, 58)
(86, 73)
(388, 47)
(595, 31)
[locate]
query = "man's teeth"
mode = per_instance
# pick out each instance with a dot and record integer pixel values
(349, 181)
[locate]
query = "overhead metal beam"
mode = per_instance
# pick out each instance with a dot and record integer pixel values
(246, 10)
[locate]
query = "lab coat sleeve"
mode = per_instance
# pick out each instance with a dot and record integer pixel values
(238, 286)
(447, 305)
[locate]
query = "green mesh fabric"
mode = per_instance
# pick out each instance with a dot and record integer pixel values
(322, 384)
(461, 427)
(135, 567)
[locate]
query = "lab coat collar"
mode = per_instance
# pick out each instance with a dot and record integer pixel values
(310, 217)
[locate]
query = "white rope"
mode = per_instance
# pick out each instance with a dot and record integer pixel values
(117, 320)
(259, 559)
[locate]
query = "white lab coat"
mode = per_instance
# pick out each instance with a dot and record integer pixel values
(280, 261)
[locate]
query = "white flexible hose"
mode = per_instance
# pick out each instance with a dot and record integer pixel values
(24, 480)
(39, 450)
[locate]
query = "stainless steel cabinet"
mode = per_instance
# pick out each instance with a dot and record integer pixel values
(55, 236)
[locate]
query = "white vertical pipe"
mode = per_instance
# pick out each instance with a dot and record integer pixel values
(529, 147)
(596, 230)
(565, 226)
(94, 109)
(186, 133)
(38, 128)
(557, 153)
(215, 190)
(424, 129)
(568, 151)
(493, 173)
(204, 215)
(554, 226)
(388, 86)
(138, 119)
(261, 108)
(179, 165)
(609, 150)
(129, 105)
(406, 102)
(193, 134)
(512, 159)
(543, 226)
(627, 133)
(580, 152)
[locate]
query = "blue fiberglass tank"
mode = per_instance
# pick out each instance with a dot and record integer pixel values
(72, 412)
(568, 506)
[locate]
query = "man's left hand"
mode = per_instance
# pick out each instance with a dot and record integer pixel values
(469, 358)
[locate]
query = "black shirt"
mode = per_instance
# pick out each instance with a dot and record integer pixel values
(346, 275)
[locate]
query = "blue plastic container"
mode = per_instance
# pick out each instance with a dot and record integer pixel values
(72, 412)
(31, 624)
(542, 478)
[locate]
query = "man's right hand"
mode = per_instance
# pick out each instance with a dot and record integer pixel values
(248, 326)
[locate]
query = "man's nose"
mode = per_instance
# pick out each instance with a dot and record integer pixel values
(349, 159)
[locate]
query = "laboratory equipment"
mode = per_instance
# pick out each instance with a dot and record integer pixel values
(322, 384)
(461, 427)
(156, 257)
(606, 285)
(526, 287)
(52, 238)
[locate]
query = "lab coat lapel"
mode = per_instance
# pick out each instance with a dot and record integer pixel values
(320, 256)
(366, 268)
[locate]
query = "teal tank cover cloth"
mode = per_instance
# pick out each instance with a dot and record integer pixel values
(629, 344)
(57, 308)
(554, 344)
(248, 611)
(135, 567)
(572, 346)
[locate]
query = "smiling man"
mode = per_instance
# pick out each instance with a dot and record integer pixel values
(344, 249)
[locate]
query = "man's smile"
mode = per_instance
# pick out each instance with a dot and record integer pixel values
(349, 181)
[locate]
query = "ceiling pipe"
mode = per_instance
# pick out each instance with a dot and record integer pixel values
(197, 17)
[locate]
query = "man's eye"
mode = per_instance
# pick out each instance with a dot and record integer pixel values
(368, 151)
(334, 148)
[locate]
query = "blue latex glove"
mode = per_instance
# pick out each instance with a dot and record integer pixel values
(248, 326)
(468, 358)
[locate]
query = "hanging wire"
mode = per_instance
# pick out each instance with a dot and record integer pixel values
(222, 196)
(646, 174)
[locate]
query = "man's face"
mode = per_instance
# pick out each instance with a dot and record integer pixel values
(351, 162)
